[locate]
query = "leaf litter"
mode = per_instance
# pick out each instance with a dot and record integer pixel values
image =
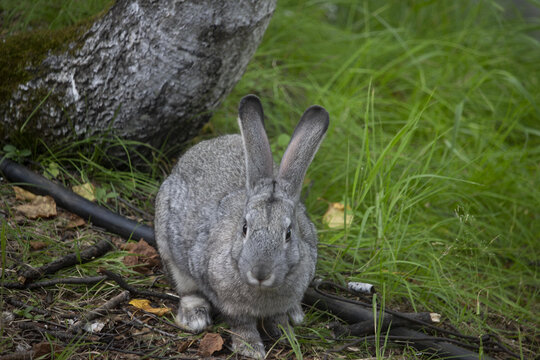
(143, 258)
(67, 303)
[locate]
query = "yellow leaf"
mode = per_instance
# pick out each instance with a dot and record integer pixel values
(21, 194)
(86, 190)
(40, 207)
(144, 304)
(336, 216)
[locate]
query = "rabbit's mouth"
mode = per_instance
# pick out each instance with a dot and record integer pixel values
(260, 280)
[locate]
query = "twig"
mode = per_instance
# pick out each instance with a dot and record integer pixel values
(20, 304)
(133, 290)
(100, 311)
(62, 335)
(168, 323)
(85, 255)
(20, 355)
(134, 318)
(91, 280)
(12, 286)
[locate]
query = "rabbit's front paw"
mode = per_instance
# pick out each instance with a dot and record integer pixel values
(194, 313)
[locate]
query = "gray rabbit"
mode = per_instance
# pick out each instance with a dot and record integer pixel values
(232, 232)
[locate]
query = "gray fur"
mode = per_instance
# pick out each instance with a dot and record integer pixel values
(200, 212)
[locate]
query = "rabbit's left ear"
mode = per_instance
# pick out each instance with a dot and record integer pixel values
(305, 141)
(259, 163)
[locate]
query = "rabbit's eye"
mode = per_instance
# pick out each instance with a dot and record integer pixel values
(244, 229)
(288, 234)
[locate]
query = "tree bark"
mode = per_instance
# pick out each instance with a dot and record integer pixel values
(147, 70)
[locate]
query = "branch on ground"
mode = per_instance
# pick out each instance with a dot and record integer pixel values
(88, 254)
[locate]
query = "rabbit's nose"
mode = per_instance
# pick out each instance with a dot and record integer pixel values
(261, 276)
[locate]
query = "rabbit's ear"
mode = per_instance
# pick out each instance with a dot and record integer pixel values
(304, 143)
(259, 163)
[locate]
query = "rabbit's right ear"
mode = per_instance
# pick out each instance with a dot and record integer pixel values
(259, 163)
(305, 141)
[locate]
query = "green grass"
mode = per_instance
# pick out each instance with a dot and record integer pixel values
(24, 15)
(434, 143)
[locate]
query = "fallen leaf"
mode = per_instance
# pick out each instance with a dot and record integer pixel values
(22, 194)
(37, 245)
(75, 221)
(46, 348)
(144, 304)
(336, 216)
(144, 259)
(184, 345)
(85, 190)
(118, 242)
(210, 343)
(40, 207)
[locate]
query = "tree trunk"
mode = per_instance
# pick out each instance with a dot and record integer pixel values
(147, 70)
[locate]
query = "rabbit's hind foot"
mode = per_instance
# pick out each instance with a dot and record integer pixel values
(296, 314)
(250, 349)
(246, 340)
(194, 313)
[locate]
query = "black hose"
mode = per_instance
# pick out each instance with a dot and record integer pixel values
(76, 204)
(352, 313)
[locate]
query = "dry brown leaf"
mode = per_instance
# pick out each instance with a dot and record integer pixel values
(40, 207)
(37, 245)
(85, 190)
(22, 194)
(144, 259)
(45, 348)
(184, 345)
(336, 214)
(118, 242)
(210, 343)
(75, 221)
(144, 304)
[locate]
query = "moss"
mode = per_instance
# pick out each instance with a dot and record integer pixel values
(22, 53)
(25, 51)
